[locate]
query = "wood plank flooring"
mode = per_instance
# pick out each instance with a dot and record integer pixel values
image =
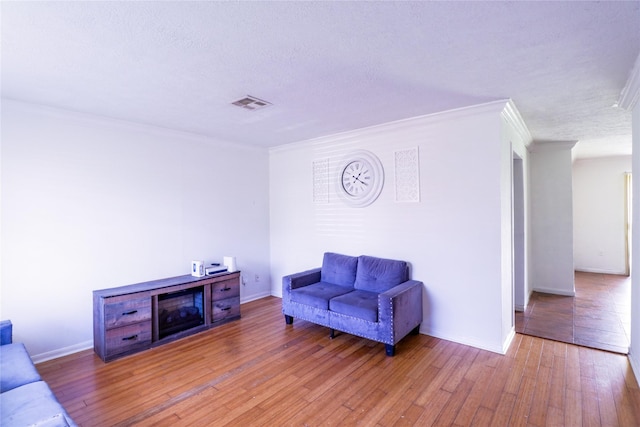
(599, 316)
(258, 371)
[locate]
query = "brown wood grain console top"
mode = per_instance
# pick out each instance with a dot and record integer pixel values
(132, 318)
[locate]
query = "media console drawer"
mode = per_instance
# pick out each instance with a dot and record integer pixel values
(128, 338)
(225, 309)
(136, 317)
(127, 312)
(225, 289)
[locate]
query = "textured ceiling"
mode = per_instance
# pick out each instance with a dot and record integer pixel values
(326, 67)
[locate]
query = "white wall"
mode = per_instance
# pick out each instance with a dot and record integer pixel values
(454, 237)
(599, 214)
(552, 218)
(634, 349)
(90, 203)
(516, 211)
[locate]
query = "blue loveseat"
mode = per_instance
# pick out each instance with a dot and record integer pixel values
(365, 296)
(25, 400)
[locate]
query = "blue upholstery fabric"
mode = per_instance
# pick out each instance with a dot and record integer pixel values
(25, 400)
(6, 332)
(379, 274)
(16, 368)
(384, 305)
(339, 269)
(32, 404)
(318, 294)
(362, 304)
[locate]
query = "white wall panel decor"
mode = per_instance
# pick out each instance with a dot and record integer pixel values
(321, 181)
(407, 175)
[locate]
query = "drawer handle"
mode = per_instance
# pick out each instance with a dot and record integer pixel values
(127, 313)
(225, 289)
(132, 337)
(225, 309)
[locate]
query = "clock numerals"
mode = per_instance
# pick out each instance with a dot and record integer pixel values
(361, 178)
(356, 178)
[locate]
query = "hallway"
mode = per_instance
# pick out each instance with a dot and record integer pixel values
(599, 316)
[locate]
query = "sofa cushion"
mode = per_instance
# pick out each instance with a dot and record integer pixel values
(32, 404)
(358, 303)
(6, 332)
(379, 274)
(318, 294)
(16, 367)
(339, 269)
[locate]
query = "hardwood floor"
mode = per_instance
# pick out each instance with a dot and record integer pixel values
(599, 316)
(257, 371)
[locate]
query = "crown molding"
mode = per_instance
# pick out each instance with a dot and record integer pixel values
(513, 117)
(492, 107)
(67, 114)
(631, 92)
(541, 145)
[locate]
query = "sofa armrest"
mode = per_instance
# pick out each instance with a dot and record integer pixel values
(401, 307)
(6, 332)
(298, 280)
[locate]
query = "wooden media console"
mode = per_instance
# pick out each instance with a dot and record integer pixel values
(132, 318)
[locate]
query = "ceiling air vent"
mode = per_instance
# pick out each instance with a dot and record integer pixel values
(251, 103)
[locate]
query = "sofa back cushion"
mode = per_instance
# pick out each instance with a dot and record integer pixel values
(339, 269)
(379, 274)
(16, 368)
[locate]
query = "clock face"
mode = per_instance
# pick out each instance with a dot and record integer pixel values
(360, 179)
(357, 178)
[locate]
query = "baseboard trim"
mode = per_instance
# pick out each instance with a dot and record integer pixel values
(255, 297)
(471, 342)
(509, 340)
(555, 292)
(601, 271)
(86, 345)
(65, 351)
(635, 364)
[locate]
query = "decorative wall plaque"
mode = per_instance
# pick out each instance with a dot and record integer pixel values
(407, 170)
(321, 181)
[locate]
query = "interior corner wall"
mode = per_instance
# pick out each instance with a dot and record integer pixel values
(552, 218)
(515, 182)
(599, 214)
(91, 203)
(634, 349)
(452, 236)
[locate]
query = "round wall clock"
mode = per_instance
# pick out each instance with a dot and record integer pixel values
(360, 178)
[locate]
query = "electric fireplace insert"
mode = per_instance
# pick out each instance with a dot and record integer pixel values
(180, 311)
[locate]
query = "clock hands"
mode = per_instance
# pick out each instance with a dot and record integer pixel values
(357, 178)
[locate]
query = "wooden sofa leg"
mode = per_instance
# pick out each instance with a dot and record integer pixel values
(288, 319)
(390, 350)
(416, 330)
(332, 334)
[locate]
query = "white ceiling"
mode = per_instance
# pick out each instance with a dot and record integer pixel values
(326, 67)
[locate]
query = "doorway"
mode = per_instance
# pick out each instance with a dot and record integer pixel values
(599, 315)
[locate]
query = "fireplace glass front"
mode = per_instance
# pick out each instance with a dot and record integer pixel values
(179, 311)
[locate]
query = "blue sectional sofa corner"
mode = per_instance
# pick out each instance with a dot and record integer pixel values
(25, 400)
(365, 296)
